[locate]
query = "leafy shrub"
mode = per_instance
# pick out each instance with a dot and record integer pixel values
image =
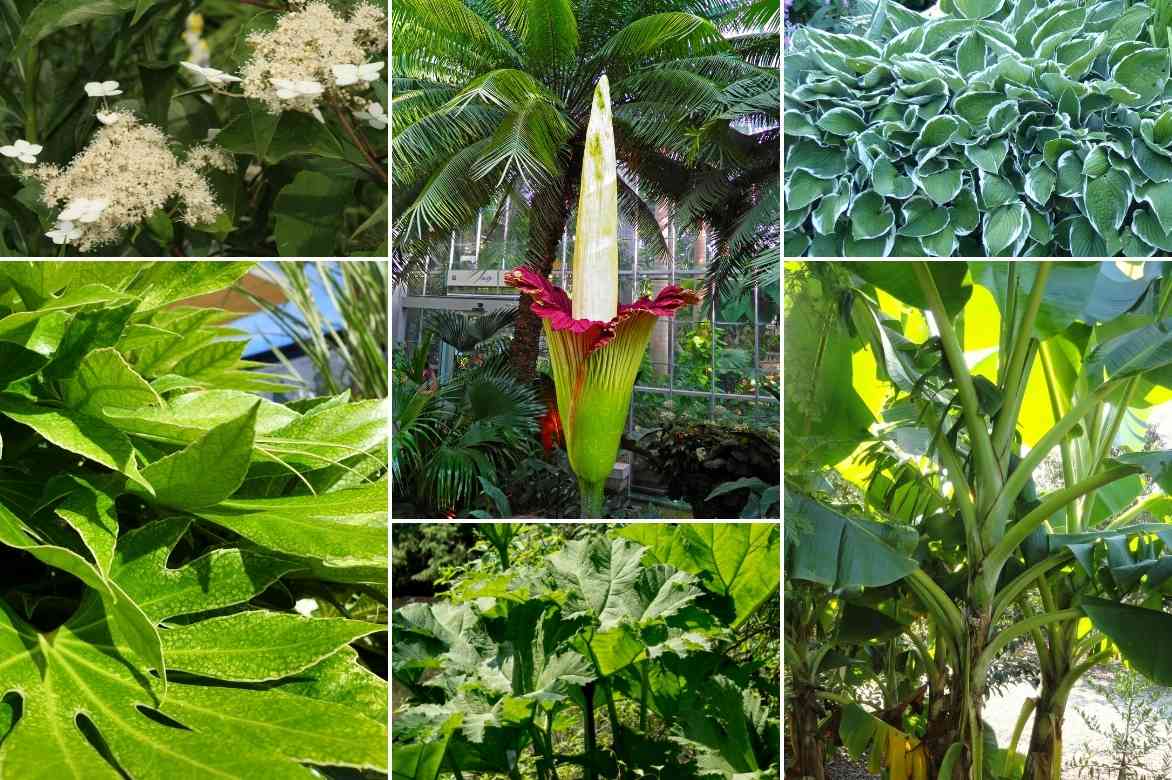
(140, 128)
(159, 522)
(628, 637)
(1000, 129)
(697, 458)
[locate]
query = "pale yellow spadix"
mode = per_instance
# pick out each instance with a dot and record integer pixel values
(596, 246)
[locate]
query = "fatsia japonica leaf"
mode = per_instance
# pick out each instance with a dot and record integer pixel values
(83, 672)
(341, 535)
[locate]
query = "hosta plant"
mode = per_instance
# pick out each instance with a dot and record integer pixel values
(159, 522)
(995, 128)
(616, 654)
(596, 345)
(937, 389)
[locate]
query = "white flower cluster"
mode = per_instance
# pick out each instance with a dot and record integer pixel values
(121, 178)
(22, 150)
(312, 54)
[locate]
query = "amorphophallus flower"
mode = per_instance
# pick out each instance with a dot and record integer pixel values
(595, 344)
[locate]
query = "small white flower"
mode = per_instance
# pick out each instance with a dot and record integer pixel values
(305, 607)
(287, 89)
(251, 172)
(374, 115)
(345, 75)
(102, 89)
(109, 117)
(83, 210)
(63, 233)
(210, 75)
(212, 133)
(22, 150)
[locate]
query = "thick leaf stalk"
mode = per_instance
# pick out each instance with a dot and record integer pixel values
(595, 344)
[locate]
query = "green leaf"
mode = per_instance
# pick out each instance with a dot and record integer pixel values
(220, 578)
(1133, 352)
(1107, 198)
(209, 469)
(898, 279)
(307, 217)
(1039, 184)
(1159, 197)
(1140, 634)
(90, 511)
(76, 432)
(1145, 73)
(49, 16)
(1004, 226)
(225, 731)
(838, 551)
(870, 216)
(342, 534)
(978, 9)
(257, 646)
(738, 560)
(105, 380)
(841, 121)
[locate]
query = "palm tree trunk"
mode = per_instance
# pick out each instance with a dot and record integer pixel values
(547, 223)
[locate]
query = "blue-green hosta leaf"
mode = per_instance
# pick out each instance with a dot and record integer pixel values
(1039, 184)
(1149, 230)
(971, 54)
(259, 645)
(938, 131)
(209, 469)
(1107, 197)
(942, 186)
(738, 560)
(821, 162)
(1004, 226)
(963, 214)
(1144, 73)
(988, 157)
(342, 535)
(1154, 165)
(76, 432)
(226, 732)
(803, 188)
(1159, 197)
(104, 379)
(841, 121)
(871, 216)
(889, 182)
(996, 191)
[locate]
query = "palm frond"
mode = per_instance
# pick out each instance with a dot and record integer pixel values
(466, 332)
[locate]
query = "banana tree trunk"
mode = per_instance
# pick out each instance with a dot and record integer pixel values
(942, 729)
(974, 691)
(1044, 759)
(809, 761)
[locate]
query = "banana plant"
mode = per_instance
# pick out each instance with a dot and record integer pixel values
(975, 373)
(595, 344)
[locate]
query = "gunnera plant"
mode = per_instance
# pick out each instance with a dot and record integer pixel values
(993, 128)
(192, 576)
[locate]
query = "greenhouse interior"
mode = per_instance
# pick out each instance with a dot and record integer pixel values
(687, 376)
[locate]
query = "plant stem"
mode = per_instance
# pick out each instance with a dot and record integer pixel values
(592, 499)
(588, 728)
(359, 141)
(643, 701)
